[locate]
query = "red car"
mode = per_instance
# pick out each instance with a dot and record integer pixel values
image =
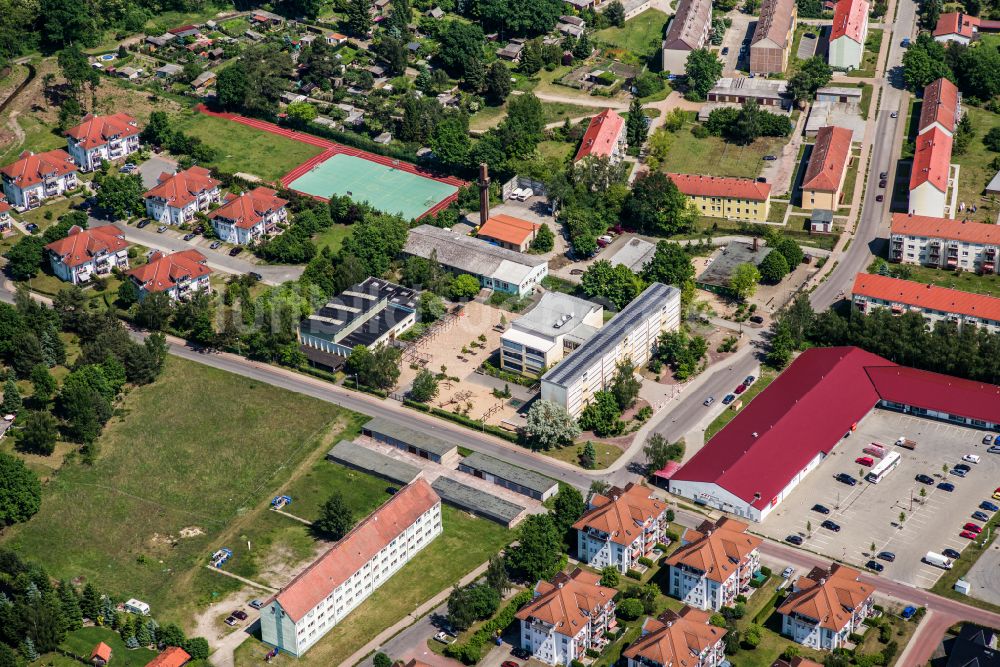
(968, 534)
(740, 389)
(973, 528)
(865, 461)
(509, 663)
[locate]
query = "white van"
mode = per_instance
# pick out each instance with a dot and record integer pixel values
(971, 458)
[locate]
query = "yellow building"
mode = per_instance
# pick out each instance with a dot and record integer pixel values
(823, 183)
(730, 198)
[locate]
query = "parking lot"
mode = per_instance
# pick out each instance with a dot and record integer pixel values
(870, 513)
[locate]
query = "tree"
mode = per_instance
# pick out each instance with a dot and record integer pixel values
(381, 660)
(681, 351)
(702, 69)
(24, 259)
(752, 636)
(496, 574)
(516, 17)
(378, 368)
(790, 249)
(20, 491)
(544, 240)
(583, 47)
(781, 347)
(602, 416)
(425, 386)
(567, 507)
(497, 83)
(450, 141)
(647, 83)
(121, 194)
(588, 457)
(154, 311)
(773, 267)
(461, 44)
(615, 14)
(624, 385)
(992, 139)
(67, 22)
(232, 87)
(637, 126)
(659, 452)
(393, 52)
(617, 284)
(812, 75)
(629, 609)
(43, 384)
(549, 425)
(335, 518)
(75, 68)
(539, 550)
(38, 433)
(465, 286)
(670, 265)
(11, 397)
(743, 281)
(170, 635)
(197, 648)
(430, 307)
(610, 577)
(359, 18)
(925, 61)
(470, 604)
(656, 206)
(531, 57)
(301, 113)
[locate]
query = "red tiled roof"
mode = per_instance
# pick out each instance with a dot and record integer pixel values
(248, 209)
(910, 293)
(602, 135)
(162, 272)
(356, 548)
(82, 245)
(716, 548)
(956, 23)
(828, 597)
(620, 512)
(182, 188)
(31, 168)
(849, 17)
(932, 160)
(830, 157)
(96, 131)
(508, 229)
(172, 656)
(102, 651)
(945, 228)
(934, 391)
(568, 601)
(675, 638)
(940, 105)
(694, 185)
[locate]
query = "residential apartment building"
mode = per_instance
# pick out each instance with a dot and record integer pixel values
(934, 303)
(179, 274)
(730, 198)
(944, 243)
(509, 232)
(629, 335)
(848, 34)
(772, 38)
(714, 564)
(930, 174)
(605, 137)
(327, 591)
(678, 638)
(826, 606)
(100, 138)
(176, 198)
(554, 327)
(37, 176)
(6, 222)
(86, 253)
(688, 31)
(823, 183)
(941, 107)
(620, 527)
(568, 615)
(249, 217)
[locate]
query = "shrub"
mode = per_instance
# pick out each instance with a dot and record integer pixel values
(699, 132)
(790, 652)
(718, 620)
(576, 663)
(661, 546)
(610, 577)
(632, 574)
(766, 571)
(593, 653)
(669, 515)
(648, 562)
(855, 638)
(470, 652)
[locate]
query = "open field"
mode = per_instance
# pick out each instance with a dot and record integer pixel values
(606, 454)
(81, 642)
(183, 470)
(552, 112)
(641, 35)
(712, 156)
(333, 237)
(243, 148)
(465, 543)
(976, 170)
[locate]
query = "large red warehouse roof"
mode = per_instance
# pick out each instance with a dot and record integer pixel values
(943, 393)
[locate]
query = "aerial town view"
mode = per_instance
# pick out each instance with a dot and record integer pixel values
(500, 333)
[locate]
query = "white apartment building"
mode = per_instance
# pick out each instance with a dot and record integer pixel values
(678, 638)
(714, 564)
(86, 253)
(934, 303)
(848, 34)
(37, 176)
(100, 138)
(250, 217)
(557, 325)
(177, 197)
(631, 334)
(325, 593)
(944, 243)
(620, 527)
(179, 274)
(568, 615)
(825, 607)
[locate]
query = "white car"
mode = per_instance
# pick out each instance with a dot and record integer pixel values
(787, 572)
(516, 193)
(971, 458)
(526, 194)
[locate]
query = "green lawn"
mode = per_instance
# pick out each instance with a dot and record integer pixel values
(199, 449)
(38, 137)
(642, 35)
(362, 493)
(246, 149)
(966, 281)
(727, 415)
(465, 543)
(870, 58)
(333, 237)
(552, 112)
(606, 454)
(712, 156)
(81, 642)
(558, 150)
(975, 163)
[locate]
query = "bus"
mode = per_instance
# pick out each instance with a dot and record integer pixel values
(883, 468)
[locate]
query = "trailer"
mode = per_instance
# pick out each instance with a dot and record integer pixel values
(906, 443)
(279, 502)
(938, 560)
(876, 449)
(220, 557)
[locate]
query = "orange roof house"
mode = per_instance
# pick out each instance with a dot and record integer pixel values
(903, 294)
(834, 601)
(932, 160)
(249, 209)
(166, 273)
(172, 656)
(96, 131)
(716, 549)
(605, 137)
(849, 19)
(828, 162)
(84, 245)
(569, 602)
(621, 513)
(22, 180)
(509, 232)
(101, 655)
(678, 638)
(904, 224)
(694, 185)
(180, 189)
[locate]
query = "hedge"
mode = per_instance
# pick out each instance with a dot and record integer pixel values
(471, 651)
(462, 419)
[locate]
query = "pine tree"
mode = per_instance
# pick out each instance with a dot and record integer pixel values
(636, 128)
(143, 635)
(90, 602)
(70, 606)
(28, 650)
(131, 642)
(107, 610)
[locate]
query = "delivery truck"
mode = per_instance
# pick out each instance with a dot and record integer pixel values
(938, 560)
(906, 442)
(876, 449)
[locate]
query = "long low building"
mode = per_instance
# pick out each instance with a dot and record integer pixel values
(509, 476)
(471, 499)
(629, 335)
(758, 459)
(496, 268)
(934, 303)
(402, 437)
(367, 460)
(944, 243)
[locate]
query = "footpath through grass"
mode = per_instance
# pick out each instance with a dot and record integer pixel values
(182, 471)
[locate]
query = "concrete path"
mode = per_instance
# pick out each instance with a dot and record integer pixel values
(249, 582)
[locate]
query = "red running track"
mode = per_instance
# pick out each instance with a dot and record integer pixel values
(333, 148)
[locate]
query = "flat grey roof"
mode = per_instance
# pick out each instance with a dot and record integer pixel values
(720, 270)
(363, 458)
(512, 473)
(470, 255)
(651, 300)
(569, 311)
(475, 500)
(399, 431)
(635, 254)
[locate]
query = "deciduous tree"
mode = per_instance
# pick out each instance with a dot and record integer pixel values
(743, 281)
(602, 415)
(20, 491)
(702, 69)
(549, 425)
(425, 386)
(538, 552)
(335, 518)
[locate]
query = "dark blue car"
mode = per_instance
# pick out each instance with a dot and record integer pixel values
(988, 506)
(946, 486)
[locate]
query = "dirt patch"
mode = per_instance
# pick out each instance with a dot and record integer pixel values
(191, 531)
(210, 621)
(282, 564)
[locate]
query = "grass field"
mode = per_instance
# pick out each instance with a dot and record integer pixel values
(712, 156)
(245, 149)
(465, 543)
(976, 171)
(558, 150)
(966, 281)
(641, 35)
(552, 112)
(81, 642)
(606, 454)
(199, 449)
(38, 137)
(333, 237)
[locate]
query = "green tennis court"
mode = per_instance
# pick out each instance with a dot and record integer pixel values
(387, 189)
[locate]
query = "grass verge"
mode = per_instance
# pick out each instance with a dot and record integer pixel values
(766, 377)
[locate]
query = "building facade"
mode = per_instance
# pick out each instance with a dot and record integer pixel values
(100, 138)
(629, 335)
(729, 198)
(825, 607)
(935, 304)
(180, 275)
(828, 165)
(86, 253)
(930, 174)
(568, 615)
(944, 243)
(620, 527)
(688, 31)
(677, 638)
(848, 34)
(176, 198)
(605, 137)
(714, 564)
(772, 38)
(37, 176)
(250, 217)
(369, 555)
(553, 328)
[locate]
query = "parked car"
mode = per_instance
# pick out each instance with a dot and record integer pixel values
(756, 319)
(882, 183)
(879, 197)
(161, 229)
(830, 525)
(968, 534)
(971, 458)
(200, 229)
(235, 251)
(189, 236)
(256, 276)
(256, 604)
(729, 398)
(894, 114)
(725, 50)
(794, 539)
(963, 466)
(996, 493)
(980, 516)
(884, 175)
(240, 614)
(951, 553)
(230, 621)
(787, 572)
(143, 223)
(865, 461)
(740, 389)
(958, 472)
(974, 527)
(988, 506)
(995, 449)
(770, 158)
(509, 663)
(822, 509)
(988, 439)
(924, 479)
(749, 380)
(844, 478)
(444, 637)
(215, 244)
(946, 486)
(31, 227)
(810, 35)
(874, 566)
(887, 556)
(708, 401)
(521, 653)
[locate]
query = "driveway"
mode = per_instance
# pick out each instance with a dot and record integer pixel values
(742, 29)
(151, 169)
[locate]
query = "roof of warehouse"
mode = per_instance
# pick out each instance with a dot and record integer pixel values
(410, 436)
(512, 473)
(470, 255)
(470, 498)
(377, 463)
(934, 391)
